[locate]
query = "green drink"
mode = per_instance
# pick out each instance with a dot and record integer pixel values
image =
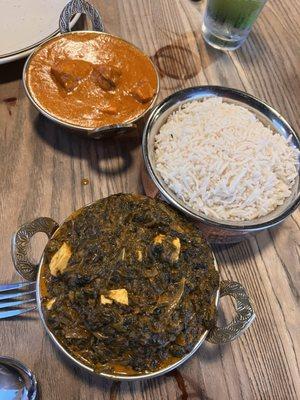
(227, 23)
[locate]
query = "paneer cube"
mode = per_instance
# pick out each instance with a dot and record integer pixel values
(105, 300)
(139, 255)
(119, 295)
(159, 239)
(175, 254)
(50, 303)
(60, 260)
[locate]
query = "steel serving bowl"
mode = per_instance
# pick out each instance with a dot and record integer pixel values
(75, 7)
(217, 231)
(30, 271)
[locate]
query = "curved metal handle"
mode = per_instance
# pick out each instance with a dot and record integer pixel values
(21, 248)
(106, 131)
(244, 318)
(79, 7)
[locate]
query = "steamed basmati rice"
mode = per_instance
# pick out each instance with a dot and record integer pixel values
(219, 159)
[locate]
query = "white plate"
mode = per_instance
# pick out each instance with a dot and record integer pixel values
(24, 24)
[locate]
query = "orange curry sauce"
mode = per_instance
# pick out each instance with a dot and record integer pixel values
(91, 79)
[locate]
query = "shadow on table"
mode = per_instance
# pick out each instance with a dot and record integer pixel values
(12, 71)
(96, 152)
(239, 253)
(31, 317)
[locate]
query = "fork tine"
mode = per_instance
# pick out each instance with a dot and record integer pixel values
(11, 304)
(5, 296)
(14, 286)
(15, 313)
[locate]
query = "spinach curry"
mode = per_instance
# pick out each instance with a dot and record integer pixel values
(128, 285)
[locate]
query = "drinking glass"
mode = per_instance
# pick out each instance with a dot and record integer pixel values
(227, 23)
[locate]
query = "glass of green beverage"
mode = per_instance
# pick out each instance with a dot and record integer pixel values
(227, 23)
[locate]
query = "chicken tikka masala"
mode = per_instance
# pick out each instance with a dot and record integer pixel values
(91, 79)
(128, 285)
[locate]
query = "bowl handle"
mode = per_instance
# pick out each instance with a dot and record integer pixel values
(79, 7)
(106, 131)
(244, 314)
(21, 248)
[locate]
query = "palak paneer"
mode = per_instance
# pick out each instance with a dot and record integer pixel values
(128, 285)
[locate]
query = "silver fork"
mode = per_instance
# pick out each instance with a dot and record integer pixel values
(18, 295)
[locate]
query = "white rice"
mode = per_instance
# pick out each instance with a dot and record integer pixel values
(219, 159)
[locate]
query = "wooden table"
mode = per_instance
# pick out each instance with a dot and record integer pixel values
(42, 168)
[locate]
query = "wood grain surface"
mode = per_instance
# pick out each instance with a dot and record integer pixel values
(42, 167)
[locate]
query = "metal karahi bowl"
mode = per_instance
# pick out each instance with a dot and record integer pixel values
(217, 231)
(31, 272)
(82, 7)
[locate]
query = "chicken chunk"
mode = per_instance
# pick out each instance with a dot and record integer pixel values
(110, 109)
(106, 76)
(70, 73)
(108, 106)
(60, 260)
(142, 91)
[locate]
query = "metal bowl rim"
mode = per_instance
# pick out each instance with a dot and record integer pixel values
(32, 385)
(78, 127)
(221, 90)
